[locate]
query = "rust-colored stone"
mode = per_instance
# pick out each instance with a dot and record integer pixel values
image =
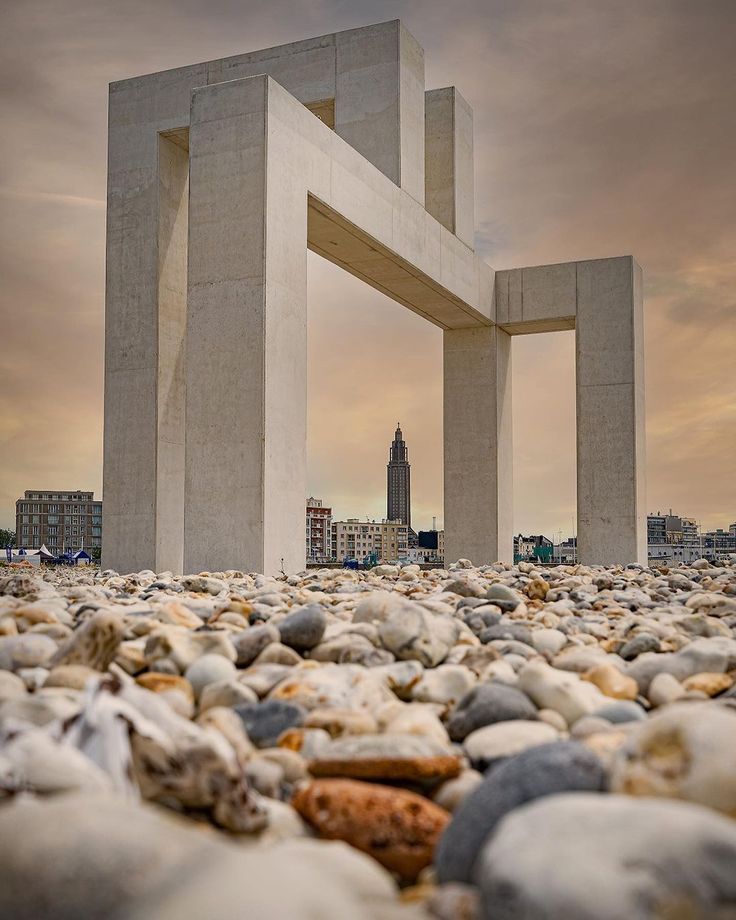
(398, 828)
(417, 769)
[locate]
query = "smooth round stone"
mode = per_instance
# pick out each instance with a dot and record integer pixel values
(709, 684)
(265, 721)
(685, 751)
(208, 669)
(479, 618)
(412, 719)
(487, 704)
(444, 684)
(29, 650)
(376, 606)
(517, 632)
(451, 793)
(303, 629)
(642, 642)
(664, 689)
(501, 671)
(44, 766)
(590, 725)
(623, 857)
(504, 739)
(348, 686)
(562, 691)
(11, 686)
(504, 597)
(160, 682)
(292, 764)
(579, 658)
(39, 710)
(265, 776)
(71, 675)
(552, 718)
(278, 653)
(548, 641)
(621, 711)
(466, 587)
(413, 633)
(251, 642)
(563, 766)
(228, 692)
(612, 682)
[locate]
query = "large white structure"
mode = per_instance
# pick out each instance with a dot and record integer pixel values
(220, 179)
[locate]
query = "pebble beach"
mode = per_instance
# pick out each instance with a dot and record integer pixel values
(472, 742)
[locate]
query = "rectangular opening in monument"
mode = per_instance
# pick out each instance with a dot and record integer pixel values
(543, 370)
(370, 364)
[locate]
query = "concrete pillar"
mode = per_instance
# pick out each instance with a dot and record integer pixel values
(448, 156)
(144, 324)
(478, 445)
(610, 412)
(379, 100)
(246, 340)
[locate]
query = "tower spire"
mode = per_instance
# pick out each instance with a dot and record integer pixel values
(398, 480)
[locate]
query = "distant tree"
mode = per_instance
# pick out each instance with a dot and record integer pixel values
(7, 538)
(95, 554)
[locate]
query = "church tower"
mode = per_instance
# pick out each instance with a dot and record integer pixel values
(398, 491)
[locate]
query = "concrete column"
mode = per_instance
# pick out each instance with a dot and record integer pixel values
(610, 412)
(448, 153)
(379, 100)
(478, 445)
(144, 324)
(246, 340)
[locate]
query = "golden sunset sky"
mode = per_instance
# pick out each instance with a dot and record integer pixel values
(602, 127)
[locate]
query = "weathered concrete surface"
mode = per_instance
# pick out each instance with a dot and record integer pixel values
(205, 378)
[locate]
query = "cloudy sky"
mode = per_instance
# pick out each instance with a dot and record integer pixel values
(602, 127)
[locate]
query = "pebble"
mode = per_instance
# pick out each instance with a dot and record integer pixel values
(265, 722)
(196, 692)
(303, 629)
(623, 857)
(387, 756)
(398, 828)
(207, 669)
(504, 739)
(685, 751)
(487, 704)
(563, 766)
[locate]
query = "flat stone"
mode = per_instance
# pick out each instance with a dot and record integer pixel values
(340, 722)
(387, 757)
(623, 858)
(42, 765)
(563, 766)
(487, 704)
(621, 711)
(504, 739)
(454, 791)
(710, 684)
(11, 686)
(398, 828)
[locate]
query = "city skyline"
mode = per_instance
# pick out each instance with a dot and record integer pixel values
(596, 128)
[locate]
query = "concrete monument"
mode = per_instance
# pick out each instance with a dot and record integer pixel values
(221, 176)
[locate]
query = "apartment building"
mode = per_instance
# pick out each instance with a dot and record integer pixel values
(319, 531)
(63, 521)
(355, 539)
